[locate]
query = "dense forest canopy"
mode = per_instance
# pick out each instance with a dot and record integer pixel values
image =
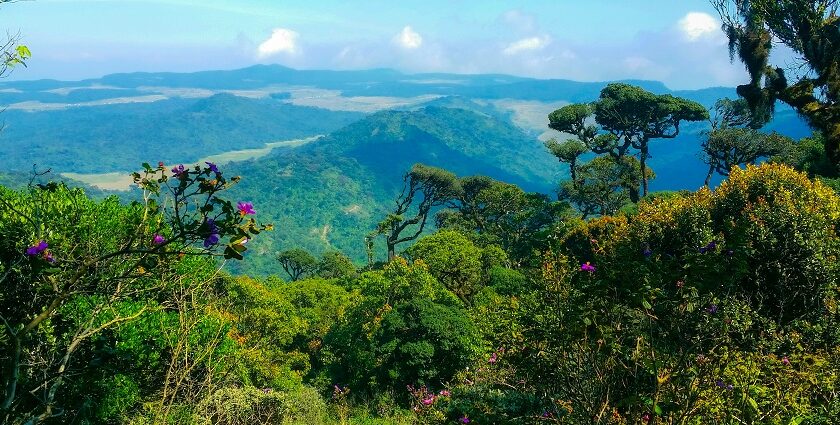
(490, 277)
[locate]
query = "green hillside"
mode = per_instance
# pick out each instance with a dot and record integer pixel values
(331, 193)
(182, 130)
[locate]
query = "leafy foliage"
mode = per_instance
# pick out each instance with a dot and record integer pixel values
(810, 29)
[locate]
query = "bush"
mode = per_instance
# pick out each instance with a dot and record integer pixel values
(691, 304)
(250, 405)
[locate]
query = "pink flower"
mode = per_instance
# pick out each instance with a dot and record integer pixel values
(428, 400)
(586, 267)
(245, 208)
(785, 361)
(493, 359)
(158, 239)
(464, 419)
(445, 393)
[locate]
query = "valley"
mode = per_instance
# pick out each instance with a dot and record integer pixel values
(262, 123)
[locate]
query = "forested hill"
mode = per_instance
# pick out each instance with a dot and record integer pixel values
(460, 140)
(118, 137)
(331, 193)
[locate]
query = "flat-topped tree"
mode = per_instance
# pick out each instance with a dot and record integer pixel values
(635, 116)
(811, 28)
(428, 187)
(627, 117)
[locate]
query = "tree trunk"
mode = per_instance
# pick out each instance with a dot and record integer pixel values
(709, 175)
(643, 165)
(391, 250)
(14, 373)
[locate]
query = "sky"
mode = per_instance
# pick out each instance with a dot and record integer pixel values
(678, 42)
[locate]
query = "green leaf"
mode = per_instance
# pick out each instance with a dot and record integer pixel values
(646, 305)
(23, 52)
(231, 253)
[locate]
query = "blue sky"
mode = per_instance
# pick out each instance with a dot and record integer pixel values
(675, 41)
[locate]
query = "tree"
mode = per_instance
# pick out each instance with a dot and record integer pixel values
(408, 329)
(335, 265)
(732, 147)
(499, 213)
(297, 263)
(634, 116)
(734, 140)
(453, 260)
(432, 187)
(73, 268)
(604, 185)
(627, 117)
(811, 28)
(567, 152)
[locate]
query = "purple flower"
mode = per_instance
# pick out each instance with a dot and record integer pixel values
(158, 239)
(647, 252)
(245, 208)
(38, 248)
(211, 240)
(493, 359)
(730, 252)
(211, 226)
(709, 247)
(785, 361)
(428, 400)
(179, 170)
(646, 417)
(464, 419)
(212, 167)
(720, 384)
(49, 257)
(712, 309)
(586, 267)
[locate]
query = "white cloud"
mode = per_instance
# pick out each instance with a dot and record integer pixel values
(282, 40)
(526, 44)
(408, 38)
(696, 25)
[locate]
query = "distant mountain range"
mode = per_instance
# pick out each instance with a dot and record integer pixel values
(326, 193)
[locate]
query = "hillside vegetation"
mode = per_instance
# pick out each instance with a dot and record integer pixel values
(436, 264)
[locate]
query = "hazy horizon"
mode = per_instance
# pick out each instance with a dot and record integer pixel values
(681, 44)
